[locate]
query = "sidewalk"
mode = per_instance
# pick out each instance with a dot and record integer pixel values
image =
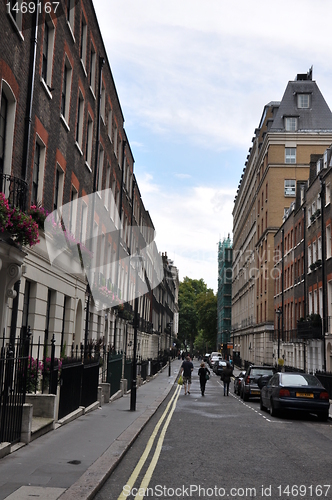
(74, 460)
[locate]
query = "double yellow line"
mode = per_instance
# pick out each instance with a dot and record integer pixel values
(146, 480)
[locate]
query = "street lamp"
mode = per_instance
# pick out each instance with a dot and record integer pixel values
(279, 313)
(136, 259)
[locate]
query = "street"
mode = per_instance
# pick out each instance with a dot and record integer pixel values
(216, 446)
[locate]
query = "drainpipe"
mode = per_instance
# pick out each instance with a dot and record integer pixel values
(322, 197)
(26, 144)
(94, 189)
(304, 282)
(282, 283)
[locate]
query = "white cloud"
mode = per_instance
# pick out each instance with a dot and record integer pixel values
(183, 176)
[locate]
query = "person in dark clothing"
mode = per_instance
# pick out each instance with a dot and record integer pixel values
(202, 372)
(226, 377)
(186, 368)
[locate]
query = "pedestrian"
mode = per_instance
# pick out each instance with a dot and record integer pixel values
(202, 373)
(182, 355)
(226, 377)
(186, 368)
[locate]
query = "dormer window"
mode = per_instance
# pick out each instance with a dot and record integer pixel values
(291, 124)
(303, 101)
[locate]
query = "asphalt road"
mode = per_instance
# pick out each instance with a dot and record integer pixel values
(220, 447)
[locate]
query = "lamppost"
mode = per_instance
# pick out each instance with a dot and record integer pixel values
(279, 313)
(136, 259)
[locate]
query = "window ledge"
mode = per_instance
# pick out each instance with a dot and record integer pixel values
(64, 121)
(92, 92)
(83, 66)
(79, 148)
(88, 166)
(45, 87)
(16, 26)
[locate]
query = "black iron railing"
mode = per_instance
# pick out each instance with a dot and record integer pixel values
(15, 190)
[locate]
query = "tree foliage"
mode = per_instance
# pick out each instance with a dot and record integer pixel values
(197, 314)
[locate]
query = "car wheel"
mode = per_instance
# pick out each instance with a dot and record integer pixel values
(262, 407)
(245, 396)
(323, 416)
(273, 411)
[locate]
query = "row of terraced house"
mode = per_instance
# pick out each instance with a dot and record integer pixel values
(282, 254)
(64, 150)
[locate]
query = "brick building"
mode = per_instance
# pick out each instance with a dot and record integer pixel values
(62, 138)
(289, 132)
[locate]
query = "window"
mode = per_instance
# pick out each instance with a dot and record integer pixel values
(58, 188)
(303, 101)
(102, 102)
(115, 141)
(289, 187)
(7, 124)
(107, 186)
(310, 303)
(291, 124)
(328, 242)
(309, 216)
(309, 258)
(88, 145)
(84, 222)
(73, 210)
(93, 70)
(100, 170)
(84, 30)
(290, 155)
(38, 173)
(65, 93)
(79, 123)
(48, 45)
(26, 313)
(70, 4)
(14, 9)
(314, 251)
(328, 194)
(110, 117)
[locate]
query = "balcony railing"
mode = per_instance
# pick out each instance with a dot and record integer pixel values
(15, 190)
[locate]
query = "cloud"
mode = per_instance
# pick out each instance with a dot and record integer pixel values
(183, 176)
(189, 225)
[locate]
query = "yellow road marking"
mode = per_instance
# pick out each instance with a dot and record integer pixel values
(147, 478)
(131, 481)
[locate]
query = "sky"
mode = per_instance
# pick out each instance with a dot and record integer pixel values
(193, 77)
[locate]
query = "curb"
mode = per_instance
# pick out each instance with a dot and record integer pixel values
(86, 487)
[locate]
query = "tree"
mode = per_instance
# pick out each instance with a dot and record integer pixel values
(197, 305)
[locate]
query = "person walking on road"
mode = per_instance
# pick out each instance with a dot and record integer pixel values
(226, 377)
(202, 373)
(186, 369)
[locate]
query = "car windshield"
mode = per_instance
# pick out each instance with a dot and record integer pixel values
(297, 379)
(261, 371)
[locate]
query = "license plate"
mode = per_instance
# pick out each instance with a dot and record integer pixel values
(255, 392)
(304, 395)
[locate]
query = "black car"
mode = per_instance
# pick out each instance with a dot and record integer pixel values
(219, 367)
(249, 383)
(295, 391)
(237, 382)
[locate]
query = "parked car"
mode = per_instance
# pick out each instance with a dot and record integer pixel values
(206, 357)
(237, 382)
(249, 383)
(215, 356)
(295, 391)
(219, 366)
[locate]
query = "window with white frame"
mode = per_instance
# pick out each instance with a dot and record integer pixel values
(84, 32)
(113, 208)
(103, 102)
(315, 302)
(303, 101)
(70, 5)
(48, 47)
(319, 203)
(328, 194)
(7, 125)
(319, 248)
(38, 172)
(309, 216)
(58, 189)
(110, 118)
(328, 242)
(79, 121)
(290, 155)
(290, 123)
(309, 258)
(100, 170)
(14, 9)
(290, 187)
(314, 251)
(92, 76)
(320, 291)
(73, 209)
(65, 92)
(84, 222)
(107, 186)
(115, 141)
(88, 144)
(310, 303)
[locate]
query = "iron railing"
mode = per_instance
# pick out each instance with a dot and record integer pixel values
(15, 190)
